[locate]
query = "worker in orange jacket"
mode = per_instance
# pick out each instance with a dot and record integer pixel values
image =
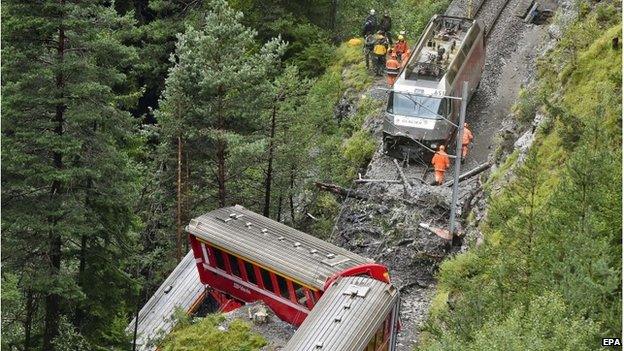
(466, 140)
(405, 57)
(441, 163)
(400, 47)
(392, 69)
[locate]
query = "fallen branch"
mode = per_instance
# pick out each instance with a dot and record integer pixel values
(362, 180)
(406, 184)
(336, 189)
(473, 172)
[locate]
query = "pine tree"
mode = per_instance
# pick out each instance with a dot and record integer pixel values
(211, 108)
(288, 136)
(67, 180)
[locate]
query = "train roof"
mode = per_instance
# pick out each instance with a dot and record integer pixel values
(182, 289)
(424, 72)
(346, 317)
(273, 245)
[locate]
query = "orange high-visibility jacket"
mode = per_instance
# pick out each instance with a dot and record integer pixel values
(392, 66)
(440, 161)
(400, 47)
(467, 137)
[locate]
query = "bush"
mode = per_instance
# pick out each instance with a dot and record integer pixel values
(359, 149)
(205, 334)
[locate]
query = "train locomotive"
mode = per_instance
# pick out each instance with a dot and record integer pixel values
(419, 112)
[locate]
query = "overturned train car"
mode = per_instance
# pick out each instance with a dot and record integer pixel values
(419, 112)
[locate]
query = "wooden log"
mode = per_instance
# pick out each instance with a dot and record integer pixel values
(473, 172)
(406, 184)
(336, 189)
(392, 181)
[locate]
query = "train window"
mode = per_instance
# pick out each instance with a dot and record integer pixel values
(234, 265)
(251, 274)
(417, 106)
(300, 294)
(219, 259)
(266, 279)
(283, 286)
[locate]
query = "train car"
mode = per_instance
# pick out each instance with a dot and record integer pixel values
(245, 257)
(354, 314)
(416, 122)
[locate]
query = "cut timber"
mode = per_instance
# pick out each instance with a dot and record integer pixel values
(442, 233)
(523, 8)
(336, 189)
(473, 172)
(406, 184)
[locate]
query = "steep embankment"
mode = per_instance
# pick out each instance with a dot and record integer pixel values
(548, 274)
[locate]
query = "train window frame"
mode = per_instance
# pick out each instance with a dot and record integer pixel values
(310, 299)
(250, 272)
(220, 261)
(234, 268)
(285, 293)
(266, 276)
(299, 294)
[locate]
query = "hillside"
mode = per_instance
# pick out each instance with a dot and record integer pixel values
(548, 272)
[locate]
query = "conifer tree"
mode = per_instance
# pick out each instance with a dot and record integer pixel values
(67, 179)
(211, 109)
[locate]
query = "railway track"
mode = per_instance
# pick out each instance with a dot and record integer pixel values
(497, 11)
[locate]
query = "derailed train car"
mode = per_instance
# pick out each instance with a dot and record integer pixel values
(354, 314)
(244, 257)
(451, 51)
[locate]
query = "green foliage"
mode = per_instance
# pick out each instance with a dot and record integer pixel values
(525, 107)
(68, 180)
(359, 148)
(69, 339)
(205, 334)
(530, 287)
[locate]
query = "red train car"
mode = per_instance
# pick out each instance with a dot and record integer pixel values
(245, 257)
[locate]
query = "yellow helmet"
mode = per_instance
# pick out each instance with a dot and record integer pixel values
(401, 37)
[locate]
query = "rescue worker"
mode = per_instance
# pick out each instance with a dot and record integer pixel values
(466, 140)
(441, 163)
(400, 47)
(405, 57)
(379, 50)
(392, 68)
(386, 25)
(369, 43)
(370, 23)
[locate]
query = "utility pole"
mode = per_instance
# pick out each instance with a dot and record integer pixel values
(458, 146)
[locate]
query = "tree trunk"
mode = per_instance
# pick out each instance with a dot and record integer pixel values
(30, 311)
(269, 174)
(78, 316)
(179, 204)
(290, 194)
(52, 300)
(279, 207)
(332, 16)
(221, 146)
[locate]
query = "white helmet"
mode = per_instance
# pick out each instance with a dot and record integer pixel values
(372, 11)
